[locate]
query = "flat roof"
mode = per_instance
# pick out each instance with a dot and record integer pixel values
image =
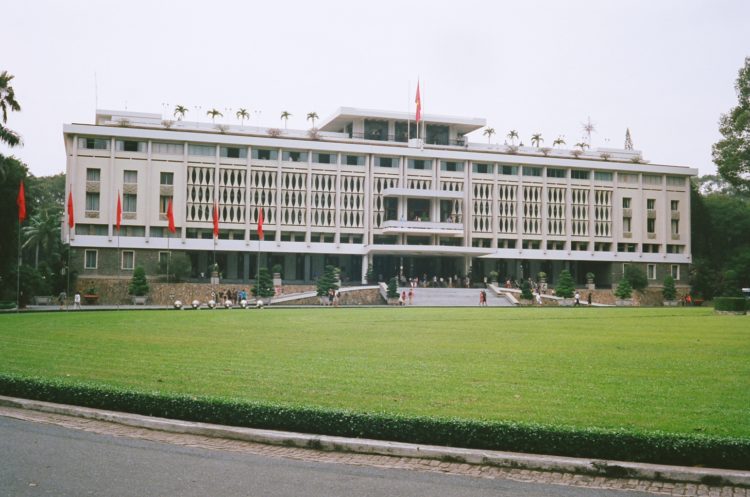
(344, 115)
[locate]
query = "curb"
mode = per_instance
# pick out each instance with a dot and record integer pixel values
(613, 469)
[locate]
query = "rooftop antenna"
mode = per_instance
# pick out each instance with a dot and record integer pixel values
(589, 127)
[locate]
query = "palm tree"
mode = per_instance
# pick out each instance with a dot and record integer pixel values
(180, 111)
(8, 102)
(312, 116)
(582, 145)
(558, 141)
(488, 133)
(513, 135)
(243, 114)
(285, 116)
(213, 113)
(536, 138)
(42, 232)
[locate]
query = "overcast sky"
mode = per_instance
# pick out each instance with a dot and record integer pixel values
(665, 69)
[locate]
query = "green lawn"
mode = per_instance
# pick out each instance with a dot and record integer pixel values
(677, 370)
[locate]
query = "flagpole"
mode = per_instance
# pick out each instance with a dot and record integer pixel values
(408, 112)
(18, 272)
(67, 287)
(119, 259)
(169, 256)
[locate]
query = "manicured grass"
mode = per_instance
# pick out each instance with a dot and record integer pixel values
(676, 370)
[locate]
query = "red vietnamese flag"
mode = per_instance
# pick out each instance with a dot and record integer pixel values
(119, 212)
(170, 217)
(216, 220)
(260, 224)
(21, 203)
(418, 101)
(71, 219)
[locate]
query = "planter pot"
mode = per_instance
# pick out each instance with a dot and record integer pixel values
(590, 286)
(276, 279)
(671, 303)
(393, 301)
(566, 302)
(214, 278)
(624, 302)
(139, 300)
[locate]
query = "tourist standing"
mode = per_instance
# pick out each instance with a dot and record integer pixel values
(411, 296)
(589, 298)
(578, 298)
(77, 301)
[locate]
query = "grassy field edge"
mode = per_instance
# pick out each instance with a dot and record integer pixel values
(627, 445)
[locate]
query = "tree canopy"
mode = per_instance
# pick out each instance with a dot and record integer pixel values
(732, 153)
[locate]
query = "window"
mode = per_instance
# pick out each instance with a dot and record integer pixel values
(532, 171)
(674, 270)
(167, 148)
(128, 259)
(553, 172)
(420, 164)
(651, 271)
(265, 154)
(651, 225)
(233, 152)
(93, 143)
(675, 226)
(506, 170)
(626, 247)
(130, 177)
(626, 228)
(166, 178)
(555, 245)
(651, 204)
(93, 174)
(449, 166)
(164, 203)
(581, 246)
(92, 201)
(163, 257)
(386, 162)
(354, 160)
(578, 174)
(651, 179)
(603, 176)
(324, 158)
(627, 178)
(626, 203)
(675, 205)
(602, 247)
(129, 202)
(651, 248)
(90, 259)
(675, 181)
(293, 156)
(675, 249)
(530, 244)
(482, 168)
(130, 146)
(202, 150)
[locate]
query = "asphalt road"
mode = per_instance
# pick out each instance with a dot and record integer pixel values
(38, 459)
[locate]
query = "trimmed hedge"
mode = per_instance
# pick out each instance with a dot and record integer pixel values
(731, 304)
(618, 444)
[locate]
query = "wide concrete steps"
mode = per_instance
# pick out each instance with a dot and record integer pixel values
(453, 297)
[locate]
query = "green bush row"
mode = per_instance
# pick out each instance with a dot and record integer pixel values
(734, 304)
(617, 444)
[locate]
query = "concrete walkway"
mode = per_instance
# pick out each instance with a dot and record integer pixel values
(453, 297)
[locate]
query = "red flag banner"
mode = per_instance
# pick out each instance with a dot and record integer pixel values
(119, 212)
(170, 217)
(418, 101)
(216, 220)
(71, 219)
(21, 203)
(260, 224)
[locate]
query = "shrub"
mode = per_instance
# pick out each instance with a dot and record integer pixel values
(392, 288)
(565, 286)
(526, 290)
(730, 284)
(590, 276)
(593, 443)
(263, 288)
(179, 267)
(493, 276)
(277, 268)
(730, 304)
(370, 275)
(138, 285)
(624, 290)
(669, 292)
(635, 277)
(327, 281)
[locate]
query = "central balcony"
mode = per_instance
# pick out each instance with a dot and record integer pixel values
(423, 228)
(417, 193)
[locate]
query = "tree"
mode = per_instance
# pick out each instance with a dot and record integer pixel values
(392, 291)
(582, 145)
(565, 286)
(526, 290)
(628, 140)
(730, 284)
(43, 232)
(312, 116)
(732, 153)
(138, 285)
(285, 116)
(180, 111)
(213, 113)
(8, 102)
(558, 141)
(636, 277)
(179, 267)
(624, 290)
(263, 288)
(669, 292)
(242, 114)
(327, 281)
(370, 275)
(536, 138)
(488, 133)
(513, 135)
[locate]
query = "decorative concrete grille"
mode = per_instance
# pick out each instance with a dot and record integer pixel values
(323, 200)
(352, 212)
(555, 211)
(506, 196)
(603, 213)
(532, 210)
(452, 186)
(200, 193)
(293, 195)
(579, 225)
(380, 183)
(419, 183)
(482, 208)
(263, 194)
(232, 195)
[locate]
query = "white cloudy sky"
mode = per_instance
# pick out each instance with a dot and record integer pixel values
(663, 68)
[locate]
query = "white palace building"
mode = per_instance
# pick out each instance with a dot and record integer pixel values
(360, 190)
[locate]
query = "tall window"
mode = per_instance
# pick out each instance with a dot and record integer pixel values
(130, 177)
(651, 204)
(93, 174)
(675, 226)
(675, 205)
(128, 259)
(92, 201)
(163, 203)
(90, 259)
(166, 178)
(674, 269)
(651, 271)
(651, 225)
(626, 225)
(129, 202)
(626, 202)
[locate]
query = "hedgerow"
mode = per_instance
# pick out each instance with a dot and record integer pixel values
(595, 443)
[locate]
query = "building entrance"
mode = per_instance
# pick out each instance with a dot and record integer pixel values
(431, 268)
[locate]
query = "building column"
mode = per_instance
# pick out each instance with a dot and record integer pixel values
(246, 266)
(365, 264)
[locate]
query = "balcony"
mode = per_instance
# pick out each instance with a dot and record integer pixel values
(423, 228)
(417, 193)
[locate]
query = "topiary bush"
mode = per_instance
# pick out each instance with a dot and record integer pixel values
(730, 304)
(392, 291)
(327, 281)
(669, 292)
(138, 285)
(565, 286)
(624, 290)
(526, 290)
(263, 288)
